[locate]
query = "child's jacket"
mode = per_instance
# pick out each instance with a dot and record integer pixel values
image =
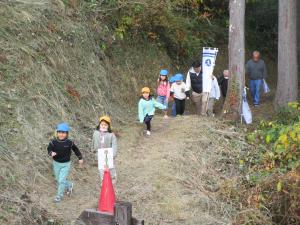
(179, 91)
(163, 89)
(215, 89)
(148, 107)
(63, 150)
(105, 140)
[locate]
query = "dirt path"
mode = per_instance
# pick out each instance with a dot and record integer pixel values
(171, 178)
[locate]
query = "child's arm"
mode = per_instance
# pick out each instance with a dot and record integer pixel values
(50, 149)
(141, 112)
(114, 145)
(77, 152)
(95, 143)
(158, 105)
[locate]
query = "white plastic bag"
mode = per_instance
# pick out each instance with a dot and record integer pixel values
(247, 115)
(266, 87)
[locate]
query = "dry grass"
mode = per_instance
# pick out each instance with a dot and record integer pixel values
(51, 70)
(180, 170)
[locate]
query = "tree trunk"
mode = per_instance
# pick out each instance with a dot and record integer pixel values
(233, 103)
(287, 83)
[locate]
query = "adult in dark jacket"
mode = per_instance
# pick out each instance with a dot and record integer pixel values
(256, 71)
(223, 82)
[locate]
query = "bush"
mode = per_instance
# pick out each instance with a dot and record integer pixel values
(272, 178)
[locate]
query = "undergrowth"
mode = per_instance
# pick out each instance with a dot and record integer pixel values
(268, 190)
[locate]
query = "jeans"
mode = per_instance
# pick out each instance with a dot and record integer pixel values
(61, 172)
(255, 86)
(174, 109)
(162, 100)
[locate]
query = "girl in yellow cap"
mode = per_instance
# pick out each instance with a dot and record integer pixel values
(103, 137)
(147, 107)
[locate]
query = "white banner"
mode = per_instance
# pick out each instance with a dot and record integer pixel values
(105, 158)
(209, 56)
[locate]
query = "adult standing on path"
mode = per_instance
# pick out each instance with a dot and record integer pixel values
(256, 71)
(194, 82)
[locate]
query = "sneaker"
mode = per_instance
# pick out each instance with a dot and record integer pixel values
(148, 133)
(70, 190)
(57, 199)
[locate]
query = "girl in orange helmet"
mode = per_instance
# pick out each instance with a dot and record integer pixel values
(147, 107)
(103, 137)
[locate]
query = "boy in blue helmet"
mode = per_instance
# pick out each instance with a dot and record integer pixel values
(180, 93)
(60, 150)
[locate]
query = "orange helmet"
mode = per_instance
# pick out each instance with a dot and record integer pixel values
(105, 118)
(145, 90)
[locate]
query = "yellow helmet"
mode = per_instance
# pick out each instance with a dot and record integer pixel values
(145, 90)
(105, 118)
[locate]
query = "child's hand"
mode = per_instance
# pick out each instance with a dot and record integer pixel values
(187, 98)
(80, 161)
(53, 154)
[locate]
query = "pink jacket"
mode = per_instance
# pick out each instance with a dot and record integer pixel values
(163, 89)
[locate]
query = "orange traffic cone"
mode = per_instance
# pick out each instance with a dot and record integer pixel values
(107, 197)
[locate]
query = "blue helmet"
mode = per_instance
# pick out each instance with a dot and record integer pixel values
(172, 79)
(64, 127)
(164, 72)
(178, 77)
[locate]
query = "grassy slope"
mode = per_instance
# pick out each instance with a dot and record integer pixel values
(52, 70)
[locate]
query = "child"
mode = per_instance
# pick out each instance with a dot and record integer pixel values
(214, 95)
(103, 137)
(146, 108)
(172, 80)
(60, 150)
(180, 93)
(163, 90)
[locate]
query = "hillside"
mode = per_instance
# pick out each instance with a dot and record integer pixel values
(53, 69)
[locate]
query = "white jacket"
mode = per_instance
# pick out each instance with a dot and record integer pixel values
(179, 90)
(215, 89)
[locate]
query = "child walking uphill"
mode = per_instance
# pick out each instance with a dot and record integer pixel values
(180, 93)
(146, 108)
(163, 90)
(103, 137)
(60, 150)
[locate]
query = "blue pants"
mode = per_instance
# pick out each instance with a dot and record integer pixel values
(61, 172)
(255, 86)
(174, 109)
(162, 100)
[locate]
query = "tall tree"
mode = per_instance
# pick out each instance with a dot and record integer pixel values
(287, 83)
(233, 103)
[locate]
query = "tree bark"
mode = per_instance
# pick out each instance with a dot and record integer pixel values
(233, 103)
(287, 83)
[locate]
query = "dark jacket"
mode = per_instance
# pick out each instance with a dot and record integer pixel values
(196, 82)
(256, 70)
(63, 150)
(223, 82)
